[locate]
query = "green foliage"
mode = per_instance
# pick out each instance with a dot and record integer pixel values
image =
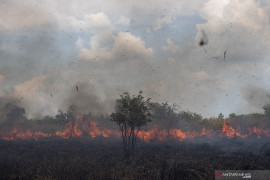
(220, 116)
(189, 116)
(232, 115)
(131, 113)
(214, 123)
(165, 115)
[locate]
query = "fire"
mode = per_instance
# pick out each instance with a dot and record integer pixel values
(15, 134)
(154, 133)
(84, 127)
(206, 132)
(178, 134)
(71, 130)
(78, 127)
(230, 132)
(90, 127)
(259, 132)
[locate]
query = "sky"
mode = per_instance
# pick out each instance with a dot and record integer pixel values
(105, 48)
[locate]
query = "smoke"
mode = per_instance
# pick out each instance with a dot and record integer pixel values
(8, 106)
(80, 95)
(14, 113)
(256, 97)
(86, 43)
(85, 99)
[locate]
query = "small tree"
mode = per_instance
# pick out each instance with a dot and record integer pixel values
(220, 116)
(61, 116)
(131, 113)
(14, 113)
(192, 119)
(266, 109)
(232, 115)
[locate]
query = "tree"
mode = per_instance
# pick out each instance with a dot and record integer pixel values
(131, 114)
(232, 115)
(190, 117)
(166, 115)
(220, 116)
(14, 113)
(192, 120)
(61, 116)
(14, 116)
(266, 109)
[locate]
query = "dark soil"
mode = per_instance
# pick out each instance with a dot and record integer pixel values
(55, 158)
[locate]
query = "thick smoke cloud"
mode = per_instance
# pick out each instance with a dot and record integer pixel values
(256, 97)
(48, 47)
(85, 100)
(10, 109)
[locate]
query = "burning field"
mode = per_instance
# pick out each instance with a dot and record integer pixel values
(100, 158)
(185, 146)
(133, 90)
(88, 128)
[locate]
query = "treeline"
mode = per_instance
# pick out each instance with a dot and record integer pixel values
(164, 116)
(167, 117)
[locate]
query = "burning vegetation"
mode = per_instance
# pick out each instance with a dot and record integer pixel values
(134, 117)
(158, 142)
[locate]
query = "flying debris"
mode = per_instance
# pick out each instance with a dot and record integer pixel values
(77, 88)
(205, 51)
(225, 55)
(204, 39)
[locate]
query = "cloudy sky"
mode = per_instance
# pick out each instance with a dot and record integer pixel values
(49, 47)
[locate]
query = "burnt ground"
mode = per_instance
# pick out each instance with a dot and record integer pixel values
(55, 158)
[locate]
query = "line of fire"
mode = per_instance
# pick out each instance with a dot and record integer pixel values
(166, 123)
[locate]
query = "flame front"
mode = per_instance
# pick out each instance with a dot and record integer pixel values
(15, 134)
(81, 127)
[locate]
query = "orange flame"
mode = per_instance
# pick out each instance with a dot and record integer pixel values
(86, 127)
(154, 133)
(80, 127)
(230, 132)
(71, 130)
(15, 134)
(90, 127)
(259, 132)
(178, 134)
